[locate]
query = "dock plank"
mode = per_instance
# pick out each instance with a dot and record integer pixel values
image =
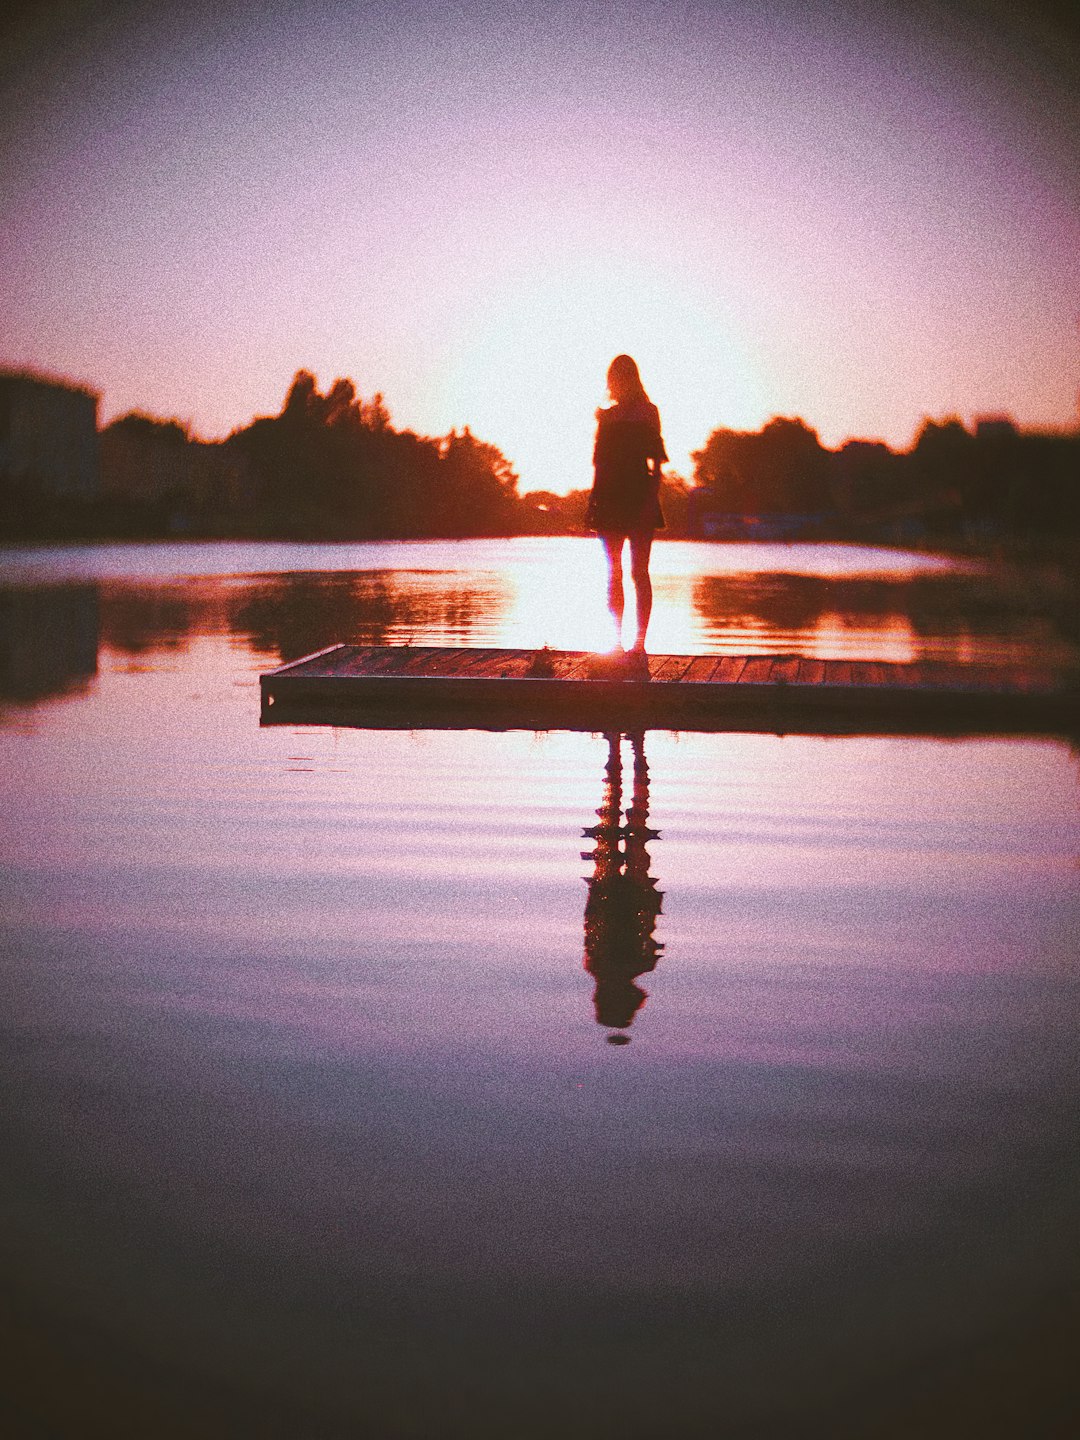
(503, 688)
(701, 669)
(570, 667)
(730, 669)
(332, 655)
(811, 672)
(407, 656)
(785, 670)
(757, 670)
(435, 662)
(668, 669)
(499, 663)
(866, 672)
(360, 659)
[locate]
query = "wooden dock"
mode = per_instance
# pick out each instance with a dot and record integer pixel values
(430, 687)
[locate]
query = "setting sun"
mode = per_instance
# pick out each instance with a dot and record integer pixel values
(530, 373)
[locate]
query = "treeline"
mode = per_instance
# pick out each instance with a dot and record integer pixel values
(333, 466)
(328, 466)
(953, 484)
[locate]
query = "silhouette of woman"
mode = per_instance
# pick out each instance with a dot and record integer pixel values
(623, 903)
(625, 500)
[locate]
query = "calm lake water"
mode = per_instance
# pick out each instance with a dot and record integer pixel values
(310, 1127)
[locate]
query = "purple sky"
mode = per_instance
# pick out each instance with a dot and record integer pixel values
(835, 211)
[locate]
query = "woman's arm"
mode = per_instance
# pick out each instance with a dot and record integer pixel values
(659, 454)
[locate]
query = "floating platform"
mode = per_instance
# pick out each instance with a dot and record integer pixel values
(429, 687)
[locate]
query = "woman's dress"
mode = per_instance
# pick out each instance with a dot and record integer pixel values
(625, 497)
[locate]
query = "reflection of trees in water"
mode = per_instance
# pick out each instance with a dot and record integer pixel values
(624, 903)
(293, 615)
(941, 612)
(48, 640)
(296, 614)
(289, 615)
(137, 619)
(783, 604)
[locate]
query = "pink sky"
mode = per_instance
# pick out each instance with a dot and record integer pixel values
(820, 211)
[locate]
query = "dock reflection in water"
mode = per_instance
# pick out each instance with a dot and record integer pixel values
(624, 903)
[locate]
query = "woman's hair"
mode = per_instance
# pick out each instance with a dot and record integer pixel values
(623, 380)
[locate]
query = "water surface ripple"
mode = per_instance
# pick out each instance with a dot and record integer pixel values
(311, 1126)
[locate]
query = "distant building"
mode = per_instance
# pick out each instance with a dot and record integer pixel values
(48, 436)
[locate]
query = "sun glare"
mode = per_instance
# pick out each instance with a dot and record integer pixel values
(530, 371)
(562, 602)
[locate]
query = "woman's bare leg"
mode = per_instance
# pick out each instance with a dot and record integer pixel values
(640, 550)
(616, 599)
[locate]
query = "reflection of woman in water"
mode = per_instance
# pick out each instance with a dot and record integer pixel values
(625, 502)
(623, 903)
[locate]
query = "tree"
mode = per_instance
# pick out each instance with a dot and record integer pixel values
(477, 487)
(334, 465)
(782, 467)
